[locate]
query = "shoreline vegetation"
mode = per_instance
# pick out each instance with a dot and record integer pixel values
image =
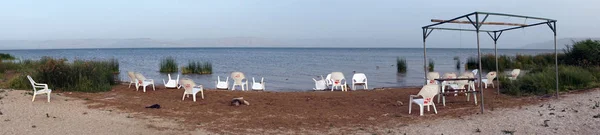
(579, 69)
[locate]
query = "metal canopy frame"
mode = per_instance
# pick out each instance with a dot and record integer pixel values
(494, 34)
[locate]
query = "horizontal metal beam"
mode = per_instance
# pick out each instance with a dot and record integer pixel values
(458, 29)
(535, 24)
(485, 23)
(511, 15)
(449, 20)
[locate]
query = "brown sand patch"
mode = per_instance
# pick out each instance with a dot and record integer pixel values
(291, 111)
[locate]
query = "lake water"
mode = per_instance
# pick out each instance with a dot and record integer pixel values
(284, 69)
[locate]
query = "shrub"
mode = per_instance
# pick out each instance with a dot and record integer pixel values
(196, 67)
(583, 53)
(4, 56)
(543, 81)
(431, 65)
(168, 65)
(401, 65)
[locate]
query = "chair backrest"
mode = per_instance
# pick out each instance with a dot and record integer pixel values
(475, 72)
(237, 77)
(515, 72)
(461, 83)
(359, 78)
(428, 92)
(337, 77)
(261, 80)
(450, 75)
(433, 75)
(328, 79)
(188, 84)
(132, 76)
(140, 77)
(491, 75)
(468, 74)
(219, 79)
(32, 82)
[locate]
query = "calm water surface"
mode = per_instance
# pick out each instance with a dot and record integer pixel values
(284, 69)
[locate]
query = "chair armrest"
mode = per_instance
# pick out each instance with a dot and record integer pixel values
(150, 80)
(42, 85)
(164, 82)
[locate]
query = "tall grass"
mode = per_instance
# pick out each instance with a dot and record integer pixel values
(197, 67)
(431, 66)
(80, 75)
(401, 64)
(488, 61)
(542, 81)
(114, 65)
(4, 56)
(168, 65)
(457, 59)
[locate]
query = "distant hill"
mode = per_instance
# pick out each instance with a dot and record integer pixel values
(560, 43)
(195, 42)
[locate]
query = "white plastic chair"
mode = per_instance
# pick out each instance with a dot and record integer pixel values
(427, 93)
(359, 79)
(489, 79)
(44, 89)
(431, 76)
(239, 80)
(191, 89)
(328, 80)
(222, 84)
(132, 79)
(338, 80)
(514, 74)
(172, 83)
(258, 85)
(142, 81)
(320, 84)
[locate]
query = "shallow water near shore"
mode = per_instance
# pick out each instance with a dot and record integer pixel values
(284, 69)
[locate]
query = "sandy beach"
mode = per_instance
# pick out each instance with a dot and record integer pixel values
(122, 111)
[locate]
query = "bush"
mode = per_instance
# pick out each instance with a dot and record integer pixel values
(196, 67)
(401, 65)
(4, 56)
(543, 81)
(472, 63)
(431, 65)
(583, 53)
(168, 65)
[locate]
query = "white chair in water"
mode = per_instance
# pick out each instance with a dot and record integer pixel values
(514, 74)
(223, 85)
(427, 94)
(132, 79)
(431, 76)
(258, 85)
(359, 79)
(239, 79)
(320, 84)
(191, 89)
(338, 80)
(142, 81)
(44, 89)
(172, 83)
(475, 71)
(489, 79)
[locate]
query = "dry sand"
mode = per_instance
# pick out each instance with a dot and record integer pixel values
(68, 116)
(72, 116)
(572, 114)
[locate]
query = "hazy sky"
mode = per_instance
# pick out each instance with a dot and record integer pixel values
(399, 20)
